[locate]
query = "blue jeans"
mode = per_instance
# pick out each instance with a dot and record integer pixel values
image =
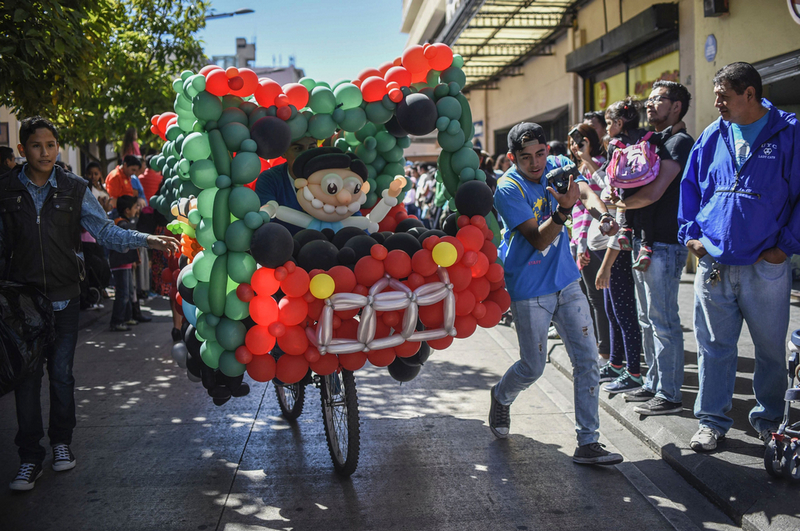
(569, 311)
(123, 296)
(62, 391)
(759, 294)
(662, 337)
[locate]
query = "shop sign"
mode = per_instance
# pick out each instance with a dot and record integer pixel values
(643, 88)
(711, 47)
(794, 9)
(478, 126)
(602, 94)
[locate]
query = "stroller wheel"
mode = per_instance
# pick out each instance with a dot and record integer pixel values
(94, 296)
(791, 463)
(772, 458)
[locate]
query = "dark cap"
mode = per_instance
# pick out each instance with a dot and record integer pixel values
(523, 133)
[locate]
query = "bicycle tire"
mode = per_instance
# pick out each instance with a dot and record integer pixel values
(291, 402)
(340, 419)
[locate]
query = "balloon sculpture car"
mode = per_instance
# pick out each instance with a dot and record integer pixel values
(271, 305)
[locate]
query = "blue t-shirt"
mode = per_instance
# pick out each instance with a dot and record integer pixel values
(743, 138)
(531, 273)
(275, 184)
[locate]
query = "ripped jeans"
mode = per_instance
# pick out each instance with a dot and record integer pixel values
(569, 311)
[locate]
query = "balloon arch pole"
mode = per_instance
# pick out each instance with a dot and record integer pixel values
(272, 305)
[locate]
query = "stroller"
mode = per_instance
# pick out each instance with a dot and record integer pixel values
(97, 277)
(782, 457)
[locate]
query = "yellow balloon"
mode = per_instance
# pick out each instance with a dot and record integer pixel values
(444, 254)
(322, 286)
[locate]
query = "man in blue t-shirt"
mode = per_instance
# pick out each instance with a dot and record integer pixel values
(277, 183)
(542, 279)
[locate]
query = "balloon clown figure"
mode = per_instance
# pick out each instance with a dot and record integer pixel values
(331, 187)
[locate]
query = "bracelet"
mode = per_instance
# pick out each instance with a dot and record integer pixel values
(605, 215)
(566, 211)
(557, 220)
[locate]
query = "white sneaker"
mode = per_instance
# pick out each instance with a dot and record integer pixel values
(705, 440)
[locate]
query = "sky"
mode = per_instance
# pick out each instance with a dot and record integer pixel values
(329, 39)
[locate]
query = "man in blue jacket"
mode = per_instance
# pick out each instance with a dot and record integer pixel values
(738, 213)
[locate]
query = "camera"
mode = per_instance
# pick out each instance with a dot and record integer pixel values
(559, 177)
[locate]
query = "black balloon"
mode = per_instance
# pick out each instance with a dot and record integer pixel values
(272, 135)
(272, 245)
(407, 224)
(474, 198)
(417, 231)
(361, 245)
(318, 254)
(308, 235)
(193, 366)
(403, 241)
(192, 343)
(402, 372)
(344, 235)
(187, 294)
(432, 232)
(380, 237)
(346, 256)
(328, 233)
(417, 114)
(450, 225)
(419, 358)
(394, 128)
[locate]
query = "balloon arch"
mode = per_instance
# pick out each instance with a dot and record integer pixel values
(263, 302)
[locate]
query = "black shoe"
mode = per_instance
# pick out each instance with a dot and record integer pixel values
(26, 476)
(658, 406)
(595, 454)
(499, 417)
(639, 395)
(63, 458)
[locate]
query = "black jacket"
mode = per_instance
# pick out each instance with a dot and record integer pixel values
(42, 250)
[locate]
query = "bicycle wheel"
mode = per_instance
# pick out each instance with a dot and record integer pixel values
(340, 418)
(291, 399)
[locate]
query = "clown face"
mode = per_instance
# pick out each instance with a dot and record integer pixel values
(332, 194)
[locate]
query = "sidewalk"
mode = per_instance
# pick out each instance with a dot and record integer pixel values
(733, 476)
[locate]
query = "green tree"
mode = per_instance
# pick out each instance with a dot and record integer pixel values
(45, 47)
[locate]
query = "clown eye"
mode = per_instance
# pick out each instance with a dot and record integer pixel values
(331, 184)
(353, 184)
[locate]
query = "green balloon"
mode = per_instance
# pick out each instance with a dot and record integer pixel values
(206, 106)
(352, 138)
(205, 202)
(230, 334)
(458, 61)
(177, 85)
(370, 142)
(453, 127)
(432, 78)
(450, 107)
(186, 123)
(342, 144)
(394, 168)
(222, 216)
(379, 163)
(372, 198)
(454, 74)
(203, 173)
(189, 280)
(450, 142)
(234, 308)
(385, 141)
(440, 91)
(383, 181)
(249, 145)
(200, 295)
(217, 287)
(243, 200)
(404, 142)
(348, 96)
(219, 152)
(182, 103)
(393, 155)
(377, 113)
(241, 266)
(194, 217)
(308, 83)
(229, 366)
(322, 100)
(231, 115)
(231, 101)
(367, 131)
(219, 248)
(245, 167)
(371, 172)
(321, 126)
(238, 236)
(247, 107)
(464, 158)
(366, 155)
(354, 119)
(256, 115)
(234, 134)
(298, 126)
(173, 131)
(467, 174)
(202, 264)
(210, 351)
(253, 220)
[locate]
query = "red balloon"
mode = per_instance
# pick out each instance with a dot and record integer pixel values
(368, 271)
(385, 67)
(245, 292)
(311, 354)
(422, 263)
(261, 368)
(164, 119)
(480, 288)
(284, 113)
(381, 330)
(465, 302)
(494, 273)
(430, 242)
(373, 89)
(249, 83)
(398, 264)
(294, 341)
(293, 310)
(297, 94)
(470, 258)
(462, 221)
(479, 311)
(208, 68)
(481, 266)
(407, 349)
(217, 83)
(460, 276)
(490, 251)
(277, 329)
(291, 369)
(391, 319)
(492, 316)
(378, 252)
(327, 364)
(154, 130)
(381, 358)
(497, 285)
(419, 77)
(501, 298)
(263, 309)
(166, 276)
(439, 56)
(415, 280)
(345, 314)
(396, 95)
(369, 72)
(266, 91)
(361, 290)
(354, 361)
(414, 59)
(296, 283)
(344, 279)
(465, 326)
(259, 340)
(441, 344)
(232, 72)
(264, 281)
(471, 237)
(243, 355)
(348, 329)
(399, 75)
(432, 316)
(457, 244)
(235, 84)
(315, 309)
(478, 221)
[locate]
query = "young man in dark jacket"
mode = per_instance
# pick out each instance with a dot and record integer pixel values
(739, 214)
(42, 210)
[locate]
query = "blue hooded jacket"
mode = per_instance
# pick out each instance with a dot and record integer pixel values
(737, 216)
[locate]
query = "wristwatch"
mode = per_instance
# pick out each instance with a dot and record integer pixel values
(557, 219)
(605, 215)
